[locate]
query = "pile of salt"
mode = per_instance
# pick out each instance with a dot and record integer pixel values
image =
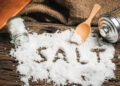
(62, 71)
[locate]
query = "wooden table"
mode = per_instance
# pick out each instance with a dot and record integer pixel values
(9, 76)
(76, 12)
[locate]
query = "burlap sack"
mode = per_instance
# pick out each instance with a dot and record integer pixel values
(64, 12)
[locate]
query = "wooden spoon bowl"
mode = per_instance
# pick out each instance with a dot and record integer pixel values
(84, 28)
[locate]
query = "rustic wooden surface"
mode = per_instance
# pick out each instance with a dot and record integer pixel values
(10, 77)
(73, 13)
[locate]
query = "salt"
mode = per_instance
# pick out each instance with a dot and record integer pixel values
(17, 30)
(76, 38)
(60, 55)
(67, 70)
(16, 25)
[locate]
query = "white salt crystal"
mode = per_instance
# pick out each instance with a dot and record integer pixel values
(16, 25)
(60, 55)
(76, 38)
(70, 69)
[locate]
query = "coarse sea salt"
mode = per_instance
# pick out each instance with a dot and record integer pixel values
(79, 65)
(76, 38)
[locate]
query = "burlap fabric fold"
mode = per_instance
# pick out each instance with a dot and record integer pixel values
(60, 14)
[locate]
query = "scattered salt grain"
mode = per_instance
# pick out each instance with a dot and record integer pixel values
(67, 70)
(60, 55)
(76, 38)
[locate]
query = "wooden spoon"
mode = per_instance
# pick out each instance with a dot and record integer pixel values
(84, 29)
(10, 8)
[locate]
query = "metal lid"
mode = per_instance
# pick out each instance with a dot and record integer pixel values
(109, 28)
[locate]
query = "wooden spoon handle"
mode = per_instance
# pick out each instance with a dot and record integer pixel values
(95, 9)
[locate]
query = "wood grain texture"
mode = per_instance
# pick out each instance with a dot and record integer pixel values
(10, 77)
